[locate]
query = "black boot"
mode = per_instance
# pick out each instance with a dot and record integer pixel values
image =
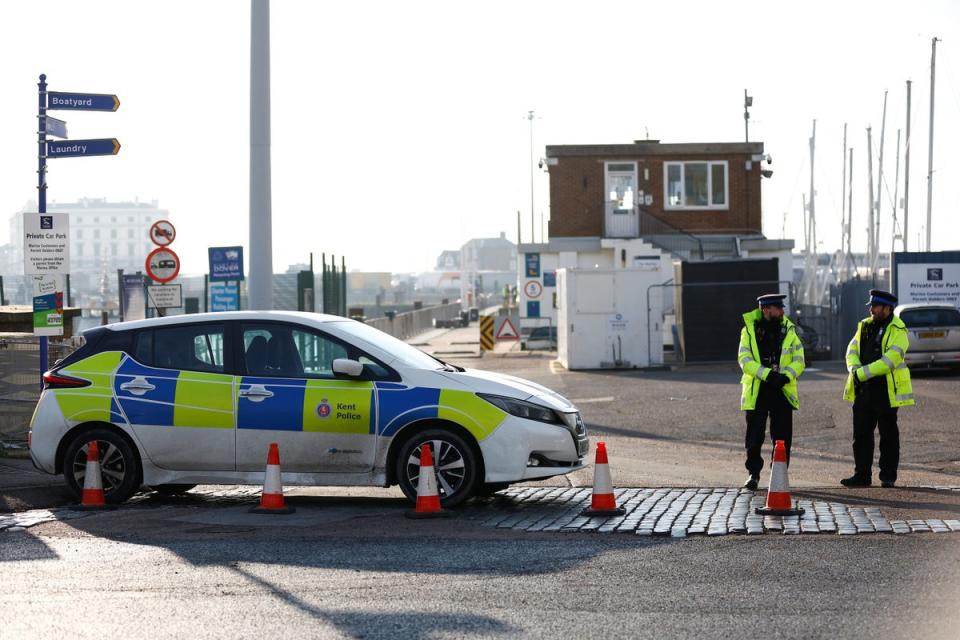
(751, 483)
(856, 481)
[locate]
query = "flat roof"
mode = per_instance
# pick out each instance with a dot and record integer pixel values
(651, 148)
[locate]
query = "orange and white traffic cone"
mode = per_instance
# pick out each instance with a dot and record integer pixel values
(779, 502)
(93, 498)
(271, 499)
(428, 497)
(602, 503)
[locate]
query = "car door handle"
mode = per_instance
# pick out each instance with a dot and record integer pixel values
(256, 393)
(138, 386)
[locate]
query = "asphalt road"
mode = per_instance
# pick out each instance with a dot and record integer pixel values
(349, 565)
(161, 573)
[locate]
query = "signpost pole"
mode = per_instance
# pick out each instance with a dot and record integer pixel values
(42, 188)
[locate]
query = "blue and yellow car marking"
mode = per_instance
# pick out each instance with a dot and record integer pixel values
(213, 401)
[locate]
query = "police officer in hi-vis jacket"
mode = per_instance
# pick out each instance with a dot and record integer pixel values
(771, 357)
(878, 384)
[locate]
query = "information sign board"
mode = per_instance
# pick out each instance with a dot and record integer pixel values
(46, 243)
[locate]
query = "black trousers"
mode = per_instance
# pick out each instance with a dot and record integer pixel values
(781, 428)
(868, 416)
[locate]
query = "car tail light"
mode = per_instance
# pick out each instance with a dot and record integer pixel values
(54, 380)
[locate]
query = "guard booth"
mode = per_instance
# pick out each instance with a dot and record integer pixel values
(712, 298)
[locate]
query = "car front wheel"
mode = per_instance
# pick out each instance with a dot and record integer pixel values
(455, 463)
(119, 465)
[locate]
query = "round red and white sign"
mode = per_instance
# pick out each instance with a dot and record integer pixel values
(162, 265)
(533, 288)
(162, 233)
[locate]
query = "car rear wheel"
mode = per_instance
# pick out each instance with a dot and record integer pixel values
(455, 463)
(119, 465)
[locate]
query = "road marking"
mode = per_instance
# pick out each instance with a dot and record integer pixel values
(589, 400)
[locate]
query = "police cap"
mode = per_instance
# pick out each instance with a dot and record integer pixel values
(771, 300)
(878, 296)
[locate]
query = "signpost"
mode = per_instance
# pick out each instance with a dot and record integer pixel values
(224, 296)
(80, 148)
(162, 265)
(55, 127)
(164, 296)
(162, 233)
(226, 263)
(56, 100)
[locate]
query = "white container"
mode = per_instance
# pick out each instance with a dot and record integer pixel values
(603, 321)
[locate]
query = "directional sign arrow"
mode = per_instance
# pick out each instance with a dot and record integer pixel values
(77, 148)
(82, 101)
(56, 128)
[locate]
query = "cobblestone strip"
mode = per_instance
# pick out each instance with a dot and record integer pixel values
(680, 513)
(939, 487)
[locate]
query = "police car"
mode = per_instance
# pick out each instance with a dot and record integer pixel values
(186, 400)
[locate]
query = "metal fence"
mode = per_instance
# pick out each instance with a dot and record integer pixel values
(410, 323)
(20, 381)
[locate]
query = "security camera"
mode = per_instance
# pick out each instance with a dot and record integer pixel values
(769, 159)
(767, 173)
(540, 164)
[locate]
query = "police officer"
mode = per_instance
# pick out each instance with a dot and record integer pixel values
(771, 357)
(878, 384)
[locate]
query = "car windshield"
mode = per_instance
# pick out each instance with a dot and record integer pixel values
(931, 317)
(410, 356)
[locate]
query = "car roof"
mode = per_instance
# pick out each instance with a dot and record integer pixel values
(302, 317)
(917, 305)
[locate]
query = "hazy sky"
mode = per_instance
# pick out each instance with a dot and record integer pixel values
(400, 130)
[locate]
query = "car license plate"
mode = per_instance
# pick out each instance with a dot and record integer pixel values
(931, 334)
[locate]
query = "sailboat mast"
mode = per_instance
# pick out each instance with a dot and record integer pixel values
(933, 79)
(871, 249)
(876, 228)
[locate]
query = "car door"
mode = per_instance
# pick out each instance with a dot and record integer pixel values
(289, 394)
(178, 398)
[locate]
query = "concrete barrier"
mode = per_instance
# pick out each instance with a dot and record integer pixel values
(411, 323)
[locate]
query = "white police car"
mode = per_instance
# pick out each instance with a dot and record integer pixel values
(175, 402)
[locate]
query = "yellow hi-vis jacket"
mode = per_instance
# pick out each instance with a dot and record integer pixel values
(792, 362)
(894, 348)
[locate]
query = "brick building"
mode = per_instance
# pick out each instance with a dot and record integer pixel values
(644, 188)
(647, 206)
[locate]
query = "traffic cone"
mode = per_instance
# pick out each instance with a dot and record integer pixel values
(602, 503)
(93, 497)
(778, 493)
(428, 497)
(271, 499)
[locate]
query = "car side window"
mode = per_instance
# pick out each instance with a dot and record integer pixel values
(317, 353)
(190, 348)
(282, 350)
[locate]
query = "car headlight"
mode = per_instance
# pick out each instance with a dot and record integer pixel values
(523, 409)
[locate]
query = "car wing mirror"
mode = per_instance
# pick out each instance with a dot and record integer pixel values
(347, 367)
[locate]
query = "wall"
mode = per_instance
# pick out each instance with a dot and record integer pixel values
(577, 195)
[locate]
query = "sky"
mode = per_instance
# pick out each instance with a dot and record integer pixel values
(400, 129)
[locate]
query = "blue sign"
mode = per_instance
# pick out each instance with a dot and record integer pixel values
(56, 128)
(82, 101)
(226, 263)
(224, 296)
(533, 264)
(533, 308)
(549, 278)
(77, 148)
